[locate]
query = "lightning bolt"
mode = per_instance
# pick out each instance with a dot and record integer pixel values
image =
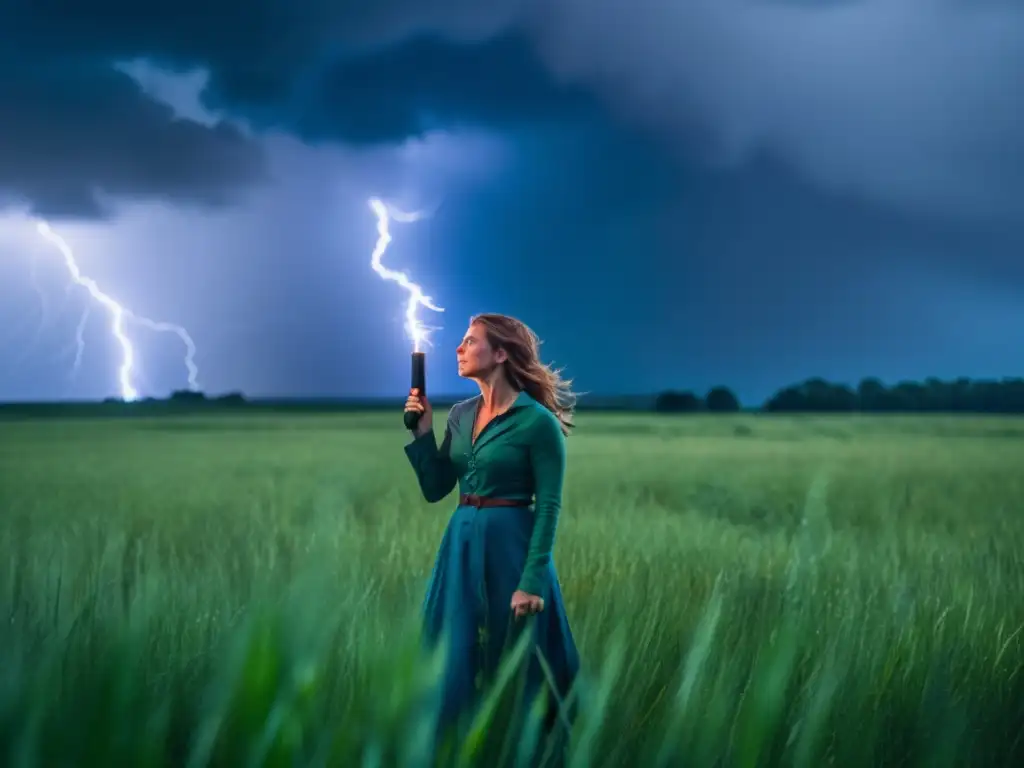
(80, 342)
(414, 328)
(120, 316)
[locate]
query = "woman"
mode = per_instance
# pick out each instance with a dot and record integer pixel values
(494, 572)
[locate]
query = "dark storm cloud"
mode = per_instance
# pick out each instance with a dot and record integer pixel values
(429, 83)
(366, 73)
(356, 73)
(77, 133)
(262, 55)
(73, 134)
(911, 103)
(908, 103)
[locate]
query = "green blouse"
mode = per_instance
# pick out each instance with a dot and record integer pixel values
(519, 455)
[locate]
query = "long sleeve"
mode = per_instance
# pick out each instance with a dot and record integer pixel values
(547, 458)
(432, 464)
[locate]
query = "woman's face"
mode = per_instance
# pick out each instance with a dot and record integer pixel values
(475, 356)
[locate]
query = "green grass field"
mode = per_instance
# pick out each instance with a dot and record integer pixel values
(745, 591)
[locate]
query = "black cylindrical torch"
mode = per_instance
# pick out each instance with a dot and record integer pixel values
(419, 381)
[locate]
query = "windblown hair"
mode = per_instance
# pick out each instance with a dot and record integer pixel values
(524, 369)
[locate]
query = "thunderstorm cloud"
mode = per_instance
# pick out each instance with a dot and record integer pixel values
(914, 103)
(73, 137)
(908, 103)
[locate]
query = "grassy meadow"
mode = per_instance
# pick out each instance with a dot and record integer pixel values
(243, 590)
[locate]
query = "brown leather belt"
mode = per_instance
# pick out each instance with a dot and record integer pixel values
(472, 500)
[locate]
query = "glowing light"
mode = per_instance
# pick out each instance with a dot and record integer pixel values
(119, 317)
(418, 332)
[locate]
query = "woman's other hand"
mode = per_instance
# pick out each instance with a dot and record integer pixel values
(524, 604)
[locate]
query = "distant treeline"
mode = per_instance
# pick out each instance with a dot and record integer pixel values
(816, 395)
(812, 396)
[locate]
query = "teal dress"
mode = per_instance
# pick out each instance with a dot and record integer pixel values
(487, 553)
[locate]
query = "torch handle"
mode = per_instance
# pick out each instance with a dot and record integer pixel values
(419, 381)
(411, 419)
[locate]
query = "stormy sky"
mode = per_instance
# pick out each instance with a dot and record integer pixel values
(673, 194)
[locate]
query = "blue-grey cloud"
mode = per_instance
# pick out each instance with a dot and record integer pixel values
(912, 104)
(74, 137)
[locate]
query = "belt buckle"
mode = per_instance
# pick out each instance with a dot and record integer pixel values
(474, 500)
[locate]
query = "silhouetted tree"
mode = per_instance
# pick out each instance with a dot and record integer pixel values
(232, 400)
(814, 395)
(933, 395)
(786, 399)
(872, 395)
(677, 402)
(721, 400)
(187, 396)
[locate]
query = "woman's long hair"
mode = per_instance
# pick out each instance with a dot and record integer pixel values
(524, 369)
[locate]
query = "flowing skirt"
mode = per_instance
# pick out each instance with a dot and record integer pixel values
(478, 566)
